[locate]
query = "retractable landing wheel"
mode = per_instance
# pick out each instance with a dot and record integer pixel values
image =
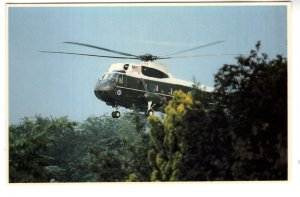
(116, 114)
(149, 113)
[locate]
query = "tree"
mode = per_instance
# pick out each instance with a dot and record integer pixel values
(189, 143)
(255, 95)
(98, 149)
(29, 143)
(137, 149)
(240, 133)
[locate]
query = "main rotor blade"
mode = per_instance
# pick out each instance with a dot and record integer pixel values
(101, 48)
(201, 55)
(84, 54)
(198, 47)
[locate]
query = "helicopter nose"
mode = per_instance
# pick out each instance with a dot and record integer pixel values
(104, 87)
(103, 90)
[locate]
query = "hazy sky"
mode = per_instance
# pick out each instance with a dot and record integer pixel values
(62, 85)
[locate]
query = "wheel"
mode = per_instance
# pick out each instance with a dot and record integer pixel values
(149, 112)
(116, 114)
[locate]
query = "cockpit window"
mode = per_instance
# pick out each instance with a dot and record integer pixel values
(112, 76)
(104, 76)
(151, 72)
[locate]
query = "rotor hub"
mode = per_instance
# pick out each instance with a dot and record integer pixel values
(148, 57)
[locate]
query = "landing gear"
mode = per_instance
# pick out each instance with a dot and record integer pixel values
(116, 114)
(149, 111)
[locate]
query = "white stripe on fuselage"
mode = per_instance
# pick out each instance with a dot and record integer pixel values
(122, 87)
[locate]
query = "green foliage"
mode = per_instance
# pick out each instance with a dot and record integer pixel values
(29, 143)
(169, 138)
(98, 149)
(137, 149)
(255, 95)
(188, 143)
(133, 177)
(239, 132)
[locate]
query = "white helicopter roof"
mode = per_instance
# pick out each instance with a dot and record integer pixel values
(155, 65)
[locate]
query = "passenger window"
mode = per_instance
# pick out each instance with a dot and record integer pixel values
(151, 72)
(153, 87)
(140, 84)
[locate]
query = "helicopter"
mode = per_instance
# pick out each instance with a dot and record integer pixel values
(147, 85)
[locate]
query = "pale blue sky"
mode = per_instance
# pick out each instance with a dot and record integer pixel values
(62, 85)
